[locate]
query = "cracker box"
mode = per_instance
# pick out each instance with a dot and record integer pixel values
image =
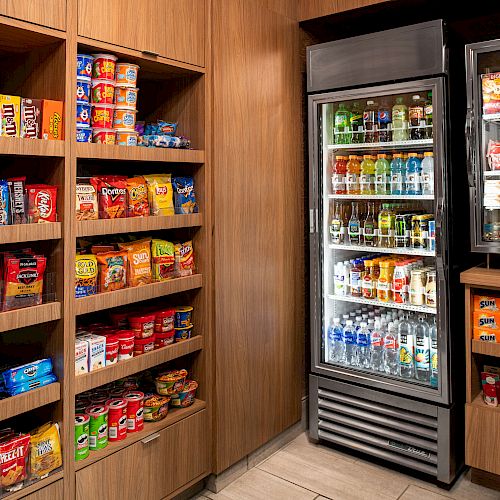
(490, 84)
(487, 320)
(486, 335)
(97, 351)
(52, 120)
(10, 112)
(31, 118)
(486, 303)
(81, 356)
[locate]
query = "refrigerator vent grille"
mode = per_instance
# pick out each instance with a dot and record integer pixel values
(384, 431)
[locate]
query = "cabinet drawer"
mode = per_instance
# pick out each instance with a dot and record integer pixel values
(53, 491)
(51, 14)
(482, 438)
(149, 470)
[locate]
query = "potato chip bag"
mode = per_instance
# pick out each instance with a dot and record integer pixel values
(139, 261)
(184, 259)
(160, 194)
(14, 454)
(163, 260)
(137, 190)
(112, 270)
(85, 275)
(184, 197)
(46, 453)
(111, 195)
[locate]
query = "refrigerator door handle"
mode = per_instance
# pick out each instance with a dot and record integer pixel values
(312, 221)
(470, 146)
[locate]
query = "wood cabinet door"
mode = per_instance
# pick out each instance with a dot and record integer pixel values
(51, 14)
(53, 491)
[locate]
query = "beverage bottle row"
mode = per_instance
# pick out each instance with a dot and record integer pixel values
(387, 278)
(383, 123)
(383, 174)
(390, 225)
(395, 343)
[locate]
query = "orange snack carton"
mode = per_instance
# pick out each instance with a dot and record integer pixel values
(487, 320)
(486, 303)
(486, 335)
(10, 113)
(52, 120)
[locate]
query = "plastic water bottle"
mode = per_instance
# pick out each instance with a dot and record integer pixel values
(363, 341)
(434, 354)
(345, 317)
(351, 348)
(428, 173)
(422, 350)
(337, 346)
(377, 348)
(357, 322)
(391, 350)
(330, 343)
(406, 340)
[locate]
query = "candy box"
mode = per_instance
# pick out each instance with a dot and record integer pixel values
(487, 319)
(81, 356)
(31, 118)
(52, 120)
(486, 303)
(97, 351)
(10, 112)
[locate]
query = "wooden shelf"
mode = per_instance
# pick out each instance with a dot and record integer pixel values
(143, 362)
(18, 233)
(28, 316)
(137, 153)
(136, 224)
(481, 277)
(30, 147)
(108, 300)
(174, 416)
(38, 485)
(479, 402)
(488, 348)
(15, 405)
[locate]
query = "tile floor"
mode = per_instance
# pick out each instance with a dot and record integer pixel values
(304, 471)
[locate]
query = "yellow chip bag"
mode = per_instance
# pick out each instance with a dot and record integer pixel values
(160, 194)
(45, 450)
(85, 275)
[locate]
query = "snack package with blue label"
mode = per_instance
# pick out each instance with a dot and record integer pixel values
(163, 141)
(161, 127)
(27, 373)
(33, 384)
(184, 196)
(4, 203)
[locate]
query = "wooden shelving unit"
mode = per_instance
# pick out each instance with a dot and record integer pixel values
(30, 232)
(31, 147)
(32, 488)
(20, 318)
(486, 348)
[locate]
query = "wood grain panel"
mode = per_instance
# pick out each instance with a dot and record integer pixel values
(310, 9)
(33, 147)
(488, 348)
(38, 491)
(481, 277)
(30, 232)
(28, 316)
(51, 14)
(258, 199)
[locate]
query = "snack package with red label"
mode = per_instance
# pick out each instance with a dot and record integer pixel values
(184, 259)
(14, 462)
(493, 155)
(111, 195)
(42, 203)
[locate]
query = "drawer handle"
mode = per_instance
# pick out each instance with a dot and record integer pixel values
(148, 439)
(150, 53)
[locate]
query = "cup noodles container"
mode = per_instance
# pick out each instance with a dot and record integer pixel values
(98, 426)
(103, 136)
(10, 115)
(135, 410)
(126, 341)
(112, 347)
(171, 382)
(82, 431)
(84, 66)
(104, 66)
(142, 346)
(124, 118)
(31, 118)
(81, 356)
(117, 419)
(164, 339)
(83, 134)
(164, 320)
(185, 397)
(119, 319)
(83, 90)
(52, 120)
(486, 303)
(126, 96)
(103, 91)
(126, 74)
(102, 115)
(183, 333)
(143, 325)
(126, 137)
(183, 316)
(155, 407)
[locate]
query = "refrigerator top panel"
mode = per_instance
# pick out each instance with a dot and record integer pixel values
(404, 53)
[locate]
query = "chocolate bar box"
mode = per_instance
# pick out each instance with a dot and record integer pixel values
(31, 118)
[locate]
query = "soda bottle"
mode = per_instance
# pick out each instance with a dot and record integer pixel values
(434, 354)
(336, 235)
(398, 175)
(358, 135)
(356, 276)
(382, 175)
(339, 171)
(377, 348)
(370, 226)
(342, 130)
(417, 120)
(370, 122)
(338, 347)
(413, 175)
(391, 350)
(354, 226)
(428, 116)
(363, 340)
(353, 168)
(367, 177)
(422, 350)
(399, 120)
(384, 122)
(350, 338)
(428, 173)
(406, 340)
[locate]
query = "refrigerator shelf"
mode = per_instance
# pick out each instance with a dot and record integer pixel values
(375, 302)
(420, 143)
(381, 196)
(364, 248)
(491, 173)
(494, 117)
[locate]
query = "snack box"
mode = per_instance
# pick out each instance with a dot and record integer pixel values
(486, 303)
(10, 112)
(52, 120)
(486, 319)
(490, 83)
(26, 373)
(97, 351)
(31, 118)
(486, 334)
(81, 356)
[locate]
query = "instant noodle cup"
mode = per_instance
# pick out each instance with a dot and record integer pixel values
(143, 325)
(117, 419)
(126, 96)
(126, 137)
(155, 407)
(171, 382)
(135, 410)
(103, 136)
(104, 66)
(84, 66)
(126, 74)
(82, 90)
(185, 397)
(81, 436)
(124, 118)
(98, 426)
(164, 339)
(112, 347)
(164, 320)
(102, 115)
(183, 316)
(103, 91)
(183, 333)
(142, 346)
(83, 113)
(83, 134)
(126, 341)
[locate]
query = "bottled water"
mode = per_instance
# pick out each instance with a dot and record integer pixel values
(363, 341)
(371, 325)
(337, 347)
(330, 343)
(434, 354)
(357, 322)
(377, 348)
(345, 317)
(391, 350)
(428, 173)
(351, 349)
(406, 340)
(422, 350)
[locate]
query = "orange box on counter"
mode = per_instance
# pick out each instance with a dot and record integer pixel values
(486, 320)
(486, 303)
(486, 335)
(52, 120)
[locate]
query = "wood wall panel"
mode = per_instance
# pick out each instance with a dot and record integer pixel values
(259, 226)
(310, 9)
(51, 13)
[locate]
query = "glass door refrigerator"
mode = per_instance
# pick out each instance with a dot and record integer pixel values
(380, 379)
(483, 135)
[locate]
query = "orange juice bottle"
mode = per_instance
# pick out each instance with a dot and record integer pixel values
(368, 285)
(352, 177)
(384, 284)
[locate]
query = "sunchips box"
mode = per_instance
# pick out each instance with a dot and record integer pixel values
(31, 118)
(52, 120)
(486, 334)
(10, 112)
(487, 320)
(486, 303)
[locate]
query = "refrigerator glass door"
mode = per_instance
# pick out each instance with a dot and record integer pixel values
(378, 176)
